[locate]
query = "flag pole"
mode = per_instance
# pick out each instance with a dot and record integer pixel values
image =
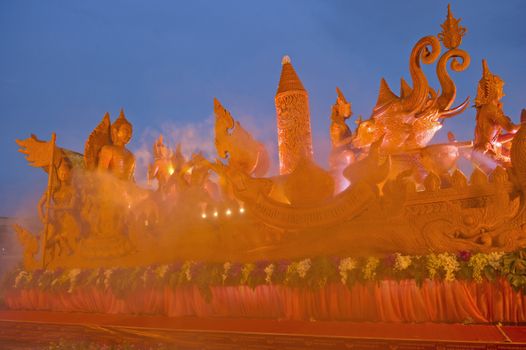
(48, 198)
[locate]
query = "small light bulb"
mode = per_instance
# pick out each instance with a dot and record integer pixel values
(216, 214)
(171, 170)
(241, 210)
(203, 215)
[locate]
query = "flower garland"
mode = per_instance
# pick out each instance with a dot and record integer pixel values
(304, 273)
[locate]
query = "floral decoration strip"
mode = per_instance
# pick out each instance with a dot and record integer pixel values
(305, 273)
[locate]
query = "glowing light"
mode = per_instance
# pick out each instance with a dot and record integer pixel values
(129, 206)
(228, 212)
(241, 210)
(216, 214)
(171, 170)
(145, 222)
(203, 215)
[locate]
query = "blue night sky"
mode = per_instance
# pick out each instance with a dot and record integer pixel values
(65, 63)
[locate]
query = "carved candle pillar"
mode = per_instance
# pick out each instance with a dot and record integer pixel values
(293, 119)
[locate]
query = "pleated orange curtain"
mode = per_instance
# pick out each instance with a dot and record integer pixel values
(384, 301)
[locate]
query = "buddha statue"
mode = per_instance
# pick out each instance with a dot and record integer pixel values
(115, 157)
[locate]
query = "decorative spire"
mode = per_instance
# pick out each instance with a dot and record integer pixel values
(385, 94)
(341, 97)
(486, 74)
(405, 89)
(121, 114)
(289, 80)
(452, 31)
(121, 120)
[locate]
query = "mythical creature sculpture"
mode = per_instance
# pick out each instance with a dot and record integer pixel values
(410, 120)
(394, 116)
(491, 119)
(341, 135)
(236, 144)
(106, 148)
(429, 119)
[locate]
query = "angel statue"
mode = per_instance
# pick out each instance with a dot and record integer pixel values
(58, 207)
(106, 148)
(64, 227)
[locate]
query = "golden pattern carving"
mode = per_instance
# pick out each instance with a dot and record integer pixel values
(293, 120)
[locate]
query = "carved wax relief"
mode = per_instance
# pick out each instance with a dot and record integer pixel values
(293, 120)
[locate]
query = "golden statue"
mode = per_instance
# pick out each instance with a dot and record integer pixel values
(491, 119)
(106, 148)
(341, 135)
(106, 216)
(163, 166)
(58, 207)
(64, 217)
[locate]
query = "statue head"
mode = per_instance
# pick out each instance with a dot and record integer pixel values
(64, 170)
(224, 123)
(452, 31)
(160, 150)
(341, 108)
(490, 87)
(121, 130)
(366, 133)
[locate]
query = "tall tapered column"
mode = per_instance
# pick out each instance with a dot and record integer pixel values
(293, 119)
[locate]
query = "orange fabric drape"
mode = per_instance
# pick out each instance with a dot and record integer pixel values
(385, 301)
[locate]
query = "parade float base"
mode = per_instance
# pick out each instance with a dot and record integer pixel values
(379, 301)
(38, 329)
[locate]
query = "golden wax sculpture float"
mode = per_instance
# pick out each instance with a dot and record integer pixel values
(387, 190)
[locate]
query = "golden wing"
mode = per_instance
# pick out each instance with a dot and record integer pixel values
(99, 137)
(38, 152)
